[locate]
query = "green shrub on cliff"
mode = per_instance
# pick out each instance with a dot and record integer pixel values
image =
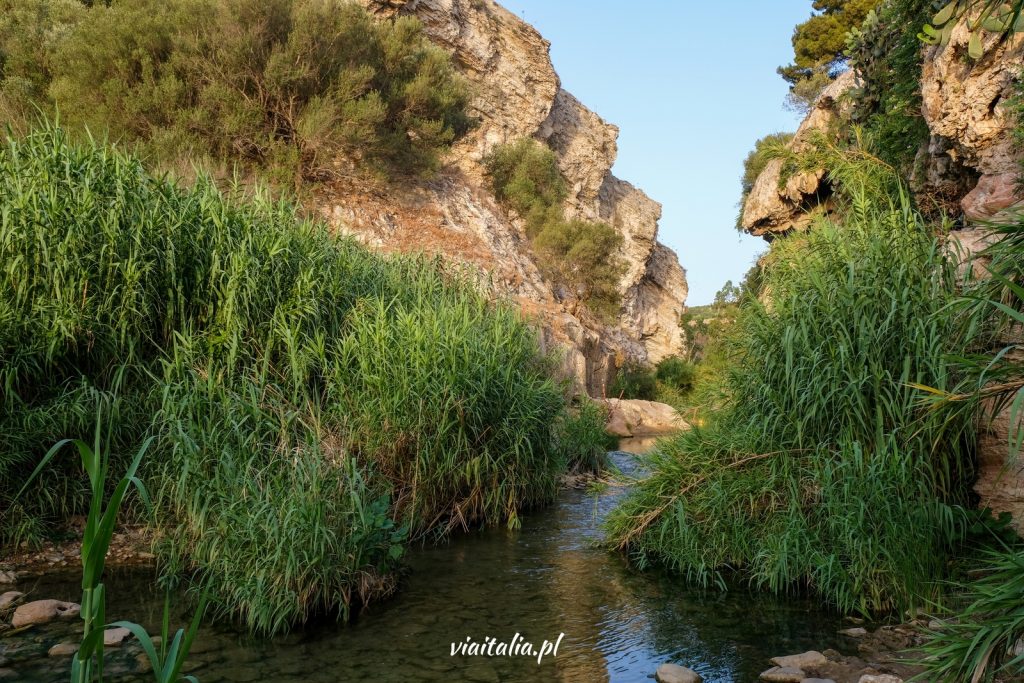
(525, 177)
(823, 462)
(313, 404)
(293, 89)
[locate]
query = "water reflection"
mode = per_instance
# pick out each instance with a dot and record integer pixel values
(539, 581)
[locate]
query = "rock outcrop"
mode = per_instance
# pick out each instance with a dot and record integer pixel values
(518, 94)
(778, 205)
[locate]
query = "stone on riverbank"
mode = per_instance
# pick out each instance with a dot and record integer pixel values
(633, 417)
(63, 650)
(8, 599)
(43, 611)
(673, 673)
(8, 577)
(113, 637)
(880, 678)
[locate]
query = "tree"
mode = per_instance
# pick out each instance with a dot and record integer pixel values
(819, 47)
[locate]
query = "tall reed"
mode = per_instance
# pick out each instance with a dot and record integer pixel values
(312, 404)
(823, 463)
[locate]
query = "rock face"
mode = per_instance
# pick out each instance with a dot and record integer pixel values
(517, 95)
(775, 207)
(964, 104)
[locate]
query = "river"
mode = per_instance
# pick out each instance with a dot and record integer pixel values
(542, 580)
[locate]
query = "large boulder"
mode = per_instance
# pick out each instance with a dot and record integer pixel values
(633, 417)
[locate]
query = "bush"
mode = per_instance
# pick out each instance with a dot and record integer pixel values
(582, 254)
(823, 462)
(634, 381)
(291, 88)
(763, 152)
(677, 373)
(268, 358)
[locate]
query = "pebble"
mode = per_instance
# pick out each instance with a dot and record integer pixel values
(63, 650)
(673, 673)
(880, 678)
(817, 680)
(8, 577)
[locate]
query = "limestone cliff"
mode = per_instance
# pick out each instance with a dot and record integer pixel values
(518, 94)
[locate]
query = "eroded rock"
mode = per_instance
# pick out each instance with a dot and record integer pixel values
(632, 417)
(804, 660)
(43, 611)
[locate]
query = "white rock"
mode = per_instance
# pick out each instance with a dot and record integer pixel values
(856, 632)
(880, 678)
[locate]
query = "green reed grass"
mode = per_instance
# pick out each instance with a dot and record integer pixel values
(312, 404)
(823, 465)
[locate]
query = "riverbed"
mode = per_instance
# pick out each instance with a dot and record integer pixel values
(542, 580)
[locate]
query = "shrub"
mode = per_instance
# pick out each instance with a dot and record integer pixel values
(291, 88)
(267, 357)
(823, 462)
(581, 254)
(677, 373)
(763, 152)
(634, 381)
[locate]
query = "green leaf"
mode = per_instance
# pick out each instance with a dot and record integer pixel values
(975, 50)
(945, 14)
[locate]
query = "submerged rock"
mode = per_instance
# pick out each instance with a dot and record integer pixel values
(804, 660)
(673, 673)
(44, 611)
(783, 674)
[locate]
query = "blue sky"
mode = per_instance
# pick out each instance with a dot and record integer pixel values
(691, 86)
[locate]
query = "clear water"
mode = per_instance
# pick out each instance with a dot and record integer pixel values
(542, 580)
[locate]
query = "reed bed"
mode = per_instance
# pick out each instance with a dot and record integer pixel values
(313, 405)
(823, 464)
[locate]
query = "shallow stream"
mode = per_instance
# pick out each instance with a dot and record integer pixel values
(542, 580)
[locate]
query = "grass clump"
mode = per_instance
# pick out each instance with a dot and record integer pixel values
(822, 463)
(581, 254)
(313, 405)
(293, 90)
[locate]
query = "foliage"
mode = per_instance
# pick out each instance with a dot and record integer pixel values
(87, 664)
(887, 55)
(635, 381)
(581, 438)
(763, 152)
(290, 88)
(980, 639)
(822, 463)
(266, 356)
(819, 46)
(995, 16)
(582, 254)
(676, 372)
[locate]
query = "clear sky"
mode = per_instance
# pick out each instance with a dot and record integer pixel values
(691, 86)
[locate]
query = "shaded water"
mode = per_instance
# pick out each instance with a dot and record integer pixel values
(539, 581)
